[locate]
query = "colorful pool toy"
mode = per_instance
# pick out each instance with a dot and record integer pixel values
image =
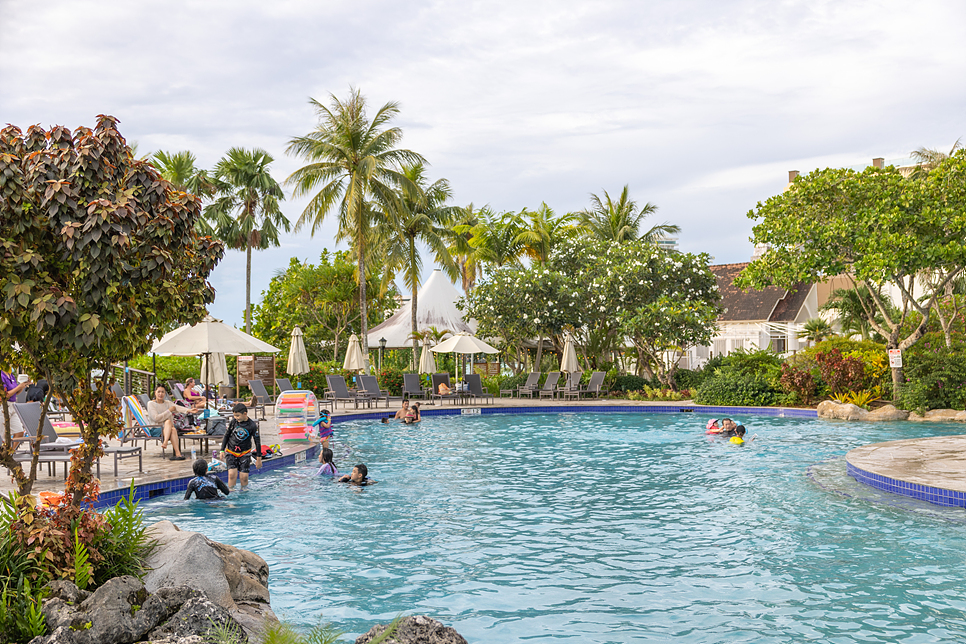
(295, 412)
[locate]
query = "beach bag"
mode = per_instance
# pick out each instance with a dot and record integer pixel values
(216, 427)
(181, 422)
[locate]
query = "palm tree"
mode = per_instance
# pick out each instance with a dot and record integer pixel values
(422, 218)
(816, 330)
(495, 239)
(852, 306)
(543, 230)
(458, 236)
(928, 158)
(246, 211)
(620, 221)
(180, 171)
(354, 164)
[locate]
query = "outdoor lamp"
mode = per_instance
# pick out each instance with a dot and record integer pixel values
(382, 347)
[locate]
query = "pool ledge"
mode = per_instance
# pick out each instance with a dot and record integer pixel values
(932, 469)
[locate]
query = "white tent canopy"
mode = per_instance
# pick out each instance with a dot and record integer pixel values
(436, 307)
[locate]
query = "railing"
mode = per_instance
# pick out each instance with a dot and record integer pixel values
(134, 381)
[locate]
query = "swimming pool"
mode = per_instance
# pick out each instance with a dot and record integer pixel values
(618, 527)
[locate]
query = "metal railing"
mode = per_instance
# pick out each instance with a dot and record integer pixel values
(134, 381)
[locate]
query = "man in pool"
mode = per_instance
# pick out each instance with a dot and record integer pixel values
(359, 476)
(205, 485)
(236, 448)
(403, 412)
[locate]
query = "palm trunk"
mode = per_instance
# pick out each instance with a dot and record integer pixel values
(248, 288)
(413, 320)
(364, 323)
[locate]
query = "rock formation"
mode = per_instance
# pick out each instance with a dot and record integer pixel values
(236, 580)
(418, 629)
(848, 411)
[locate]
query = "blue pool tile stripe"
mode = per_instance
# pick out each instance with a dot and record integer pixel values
(934, 495)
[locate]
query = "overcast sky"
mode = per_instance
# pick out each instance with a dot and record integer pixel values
(700, 106)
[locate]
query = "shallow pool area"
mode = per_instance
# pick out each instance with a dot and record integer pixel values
(617, 527)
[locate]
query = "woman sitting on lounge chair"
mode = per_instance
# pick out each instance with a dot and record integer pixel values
(161, 412)
(190, 395)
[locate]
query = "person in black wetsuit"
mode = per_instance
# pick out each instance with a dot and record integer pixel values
(236, 448)
(204, 485)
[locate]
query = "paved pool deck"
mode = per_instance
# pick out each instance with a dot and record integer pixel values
(933, 469)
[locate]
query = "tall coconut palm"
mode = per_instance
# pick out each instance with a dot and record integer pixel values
(245, 210)
(620, 220)
(458, 236)
(353, 164)
(543, 230)
(495, 239)
(179, 170)
(928, 158)
(423, 217)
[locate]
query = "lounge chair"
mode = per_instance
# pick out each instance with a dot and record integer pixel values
(118, 391)
(139, 430)
(439, 378)
(549, 389)
(595, 386)
(413, 386)
(531, 385)
(142, 400)
(176, 390)
(338, 390)
(475, 384)
(370, 386)
(264, 400)
(284, 384)
(571, 385)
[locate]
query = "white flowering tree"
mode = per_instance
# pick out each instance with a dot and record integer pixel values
(604, 293)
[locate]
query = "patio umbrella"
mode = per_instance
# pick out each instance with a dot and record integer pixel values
(298, 361)
(353, 355)
(568, 361)
(463, 343)
(214, 371)
(209, 336)
(427, 364)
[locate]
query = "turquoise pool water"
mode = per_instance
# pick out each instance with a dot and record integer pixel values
(603, 528)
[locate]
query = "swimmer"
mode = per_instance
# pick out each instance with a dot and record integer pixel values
(204, 485)
(385, 420)
(739, 437)
(728, 427)
(712, 427)
(412, 416)
(328, 465)
(324, 423)
(359, 476)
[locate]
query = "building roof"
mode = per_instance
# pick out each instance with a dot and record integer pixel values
(771, 304)
(436, 307)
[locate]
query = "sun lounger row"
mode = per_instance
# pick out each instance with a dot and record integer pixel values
(552, 389)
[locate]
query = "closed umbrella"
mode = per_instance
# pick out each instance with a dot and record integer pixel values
(353, 355)
(568, 361)
(427, 364)
(214, 371)
(298, 361)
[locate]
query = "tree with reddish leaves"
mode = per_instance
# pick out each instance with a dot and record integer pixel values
(98, 253)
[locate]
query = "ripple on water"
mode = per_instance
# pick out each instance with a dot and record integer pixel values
(603, 528)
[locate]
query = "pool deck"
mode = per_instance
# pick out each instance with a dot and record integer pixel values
(933, 469)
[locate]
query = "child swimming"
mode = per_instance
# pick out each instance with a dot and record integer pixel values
(739, 437)
(328, 465)
(324, 423)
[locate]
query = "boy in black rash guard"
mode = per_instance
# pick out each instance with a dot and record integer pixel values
(236, 448)
(204, 485)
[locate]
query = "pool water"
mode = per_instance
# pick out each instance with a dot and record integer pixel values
(613, 527)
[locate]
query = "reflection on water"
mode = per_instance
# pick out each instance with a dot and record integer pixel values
(603, 528)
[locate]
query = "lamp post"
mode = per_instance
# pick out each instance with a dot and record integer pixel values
(382, 347)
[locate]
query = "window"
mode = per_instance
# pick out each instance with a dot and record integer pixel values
(720, 347)
(737, 343)
(779, 343)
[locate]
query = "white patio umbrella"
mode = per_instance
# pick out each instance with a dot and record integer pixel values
(463, 343)
(298, 361)
(427, 364)
(568, 360)
(353, 355)
(215, 370)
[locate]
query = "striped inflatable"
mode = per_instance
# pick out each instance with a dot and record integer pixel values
(295, 411)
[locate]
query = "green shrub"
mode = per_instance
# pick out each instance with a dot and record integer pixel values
(178, 368)
(391, 379)
(761, 363)
(494, 384)
(733, 388)
(629, 383)
(125, 545)
(690, 379)
(936, 374)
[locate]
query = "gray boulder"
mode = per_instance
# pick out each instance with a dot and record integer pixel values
(841, 411)
(417, 629)
(235, 579)
(197, 615)
(887, 412)
(940, 416)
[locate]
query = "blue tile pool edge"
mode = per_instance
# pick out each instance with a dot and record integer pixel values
(167, 487)
(928, 493)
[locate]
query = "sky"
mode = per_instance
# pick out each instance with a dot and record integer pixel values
(700, 106)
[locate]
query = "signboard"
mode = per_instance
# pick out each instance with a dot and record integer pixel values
(470, 411)
(256, 368)
(895, 358)
(487, 368)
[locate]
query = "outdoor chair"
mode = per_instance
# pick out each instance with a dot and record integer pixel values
(176, 389)
(475, 384)
(442, 378)
(264, 400)
(338, 390)
(118, 391)
(595, 386)
(413, 386)
(139, 429)
(549, 389)
(284, 384)
(369, 385)
(531, 385)
(571, 386)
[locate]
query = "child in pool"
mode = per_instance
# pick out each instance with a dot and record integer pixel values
(204, 485)
(412, 416)
(324, 423)
(328, 465)
(359, 476)
(739, 437)
(727, 427)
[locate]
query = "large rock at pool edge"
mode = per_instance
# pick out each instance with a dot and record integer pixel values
(940, 416)
(417, 629)
(230, 577)
(848, 411)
